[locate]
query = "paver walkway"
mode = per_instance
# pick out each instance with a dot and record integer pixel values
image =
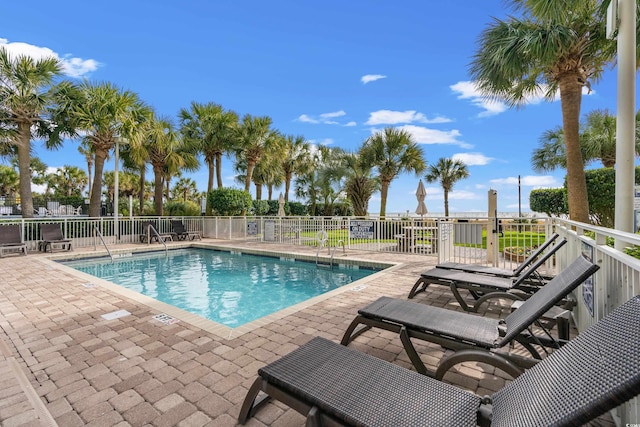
(62, 363)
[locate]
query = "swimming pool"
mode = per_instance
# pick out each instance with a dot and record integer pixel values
(229, 288)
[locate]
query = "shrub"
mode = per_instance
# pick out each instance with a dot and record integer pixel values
(180, 208)
(229, 201)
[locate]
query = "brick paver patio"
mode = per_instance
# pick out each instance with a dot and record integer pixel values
(62, 363)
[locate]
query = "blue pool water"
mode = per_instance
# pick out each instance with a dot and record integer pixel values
(228, 288)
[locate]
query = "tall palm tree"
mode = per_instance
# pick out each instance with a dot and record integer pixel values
(106, 112)
(358, 180)
(295, 160)
(167, 153)
(393, 152)
(448, 172)
(28, 100)
(211, 128)
(555, 46)
(253, 137)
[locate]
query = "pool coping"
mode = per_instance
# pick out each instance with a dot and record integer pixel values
(211, 326)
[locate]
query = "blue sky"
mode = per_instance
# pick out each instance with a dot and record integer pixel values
(334, 72)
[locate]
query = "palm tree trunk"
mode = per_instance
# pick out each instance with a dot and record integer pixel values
(570, 99)
(219, 169)
(250, 167)
(157, 194)
(143, 171)
(287, 186)
(89, 170)
(384, 190)
(446, 203)
(96, 190)
(211, 166)
(258, 191)
(24, 169)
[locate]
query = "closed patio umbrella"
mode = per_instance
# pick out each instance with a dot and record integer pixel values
(281, 205)
(421, 193)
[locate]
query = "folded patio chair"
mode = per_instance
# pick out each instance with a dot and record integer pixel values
(480, 337)
(334, 385)
(181, 232)
(501, 272)
(11, 239)
(484, 287)
(52, 235)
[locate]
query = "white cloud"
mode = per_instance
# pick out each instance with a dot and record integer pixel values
(423, 135)
(469, 90)
(306, 119)
(472, 159)
(71, 66)
(368, 78)
(351, 124)
(389, 117)
(524, 206)
(333, 115)
(316, 142)
(324, 118)
(529, 180)
(481, 186)
(464, 195)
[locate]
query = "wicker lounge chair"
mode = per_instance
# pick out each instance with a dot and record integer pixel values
(52, 236)
(181, 232)
(478, 336)
(484, 287)
(334, 385)
(501, 272)
(11, 239)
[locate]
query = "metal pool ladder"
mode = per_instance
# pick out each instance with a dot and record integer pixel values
(95, 228)
(160, 239)
(332, 252)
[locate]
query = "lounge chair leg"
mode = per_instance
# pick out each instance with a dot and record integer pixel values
(477, 356)
(461, 301)
(494, 295)
(416, 288)
(250, 404)
(411, 352)
(349, 334)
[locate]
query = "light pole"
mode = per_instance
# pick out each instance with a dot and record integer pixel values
(116, 185)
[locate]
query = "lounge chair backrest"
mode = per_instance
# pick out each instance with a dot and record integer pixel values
(178, 227)
(592, 374)
(51, 232)
(10, 234)
(538, 263)
(535, 254)
(548, 295)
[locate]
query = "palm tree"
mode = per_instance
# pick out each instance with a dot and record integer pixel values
(28, 99)
(253, 137)
(185, 188)
(68, 181)
(9, 181)
(211, 128)
(393, 152)
(358, 181)
(448, 172)
(166, 152)
(106, 112)
(556, 46)
(597, 142)
(294, 161)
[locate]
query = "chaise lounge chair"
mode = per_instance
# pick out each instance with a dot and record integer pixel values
(180, 230)
(478, 336)
(484, 287)
(500, 272)
(334, 385)
(11, 239)
(52, 235)
(151, 234)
